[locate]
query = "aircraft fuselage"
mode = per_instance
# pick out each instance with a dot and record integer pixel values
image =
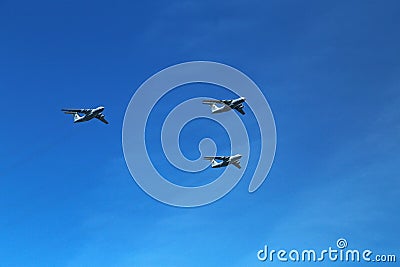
(226, 162)
(234, 103)
(92, 114)
(230, 104)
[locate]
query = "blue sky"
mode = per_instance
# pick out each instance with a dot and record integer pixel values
(329, 69)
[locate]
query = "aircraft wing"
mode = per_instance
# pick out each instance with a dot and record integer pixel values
(227, 102)
(217, 157)
(237, 164)
(72, 111)
(101, 118)
(240, 110)
(212, 101)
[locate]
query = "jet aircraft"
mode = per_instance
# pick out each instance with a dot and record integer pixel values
(225, 161)
(88, 114)
(227, 105)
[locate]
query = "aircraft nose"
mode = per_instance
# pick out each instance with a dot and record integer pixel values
(101, 108)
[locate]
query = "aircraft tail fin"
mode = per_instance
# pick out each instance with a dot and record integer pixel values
(212, 160)
(212, 104)
(214, 107)
(214, 163)
(76, 117)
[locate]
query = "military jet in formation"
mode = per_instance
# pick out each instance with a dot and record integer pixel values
(226, 105)
(225, 161)
(87, 114)
(237, 104)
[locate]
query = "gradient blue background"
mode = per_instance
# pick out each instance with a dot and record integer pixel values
(329, 69)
